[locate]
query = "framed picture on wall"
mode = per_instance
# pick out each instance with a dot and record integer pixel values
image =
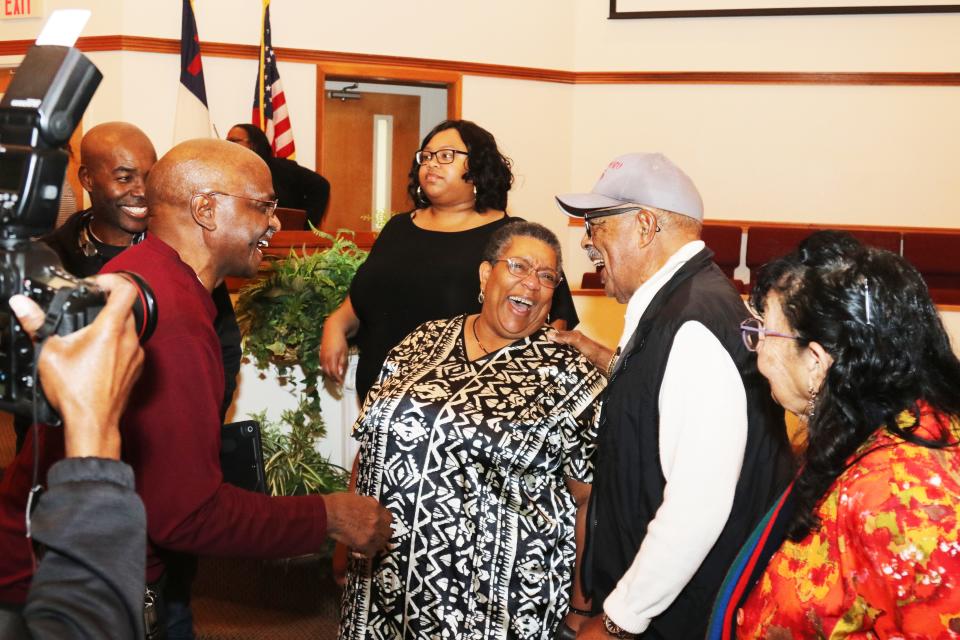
(633, 9)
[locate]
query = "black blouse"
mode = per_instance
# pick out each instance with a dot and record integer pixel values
(414, 275)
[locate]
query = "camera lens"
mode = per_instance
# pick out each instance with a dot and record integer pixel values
(144, 308)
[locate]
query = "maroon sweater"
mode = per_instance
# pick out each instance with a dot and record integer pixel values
(171, 438)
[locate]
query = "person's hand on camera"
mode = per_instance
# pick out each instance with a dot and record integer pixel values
(359, 522)
(87, 375)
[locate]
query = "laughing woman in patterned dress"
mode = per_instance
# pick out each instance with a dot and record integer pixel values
(478, 437)
(866, 542)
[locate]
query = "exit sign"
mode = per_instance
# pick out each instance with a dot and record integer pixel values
(13, 9)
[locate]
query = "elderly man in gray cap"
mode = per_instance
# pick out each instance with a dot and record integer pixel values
(691, 448)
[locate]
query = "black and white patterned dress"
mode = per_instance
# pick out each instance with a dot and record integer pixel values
(471, 458)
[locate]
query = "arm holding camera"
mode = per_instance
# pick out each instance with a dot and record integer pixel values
(88, 375)
(91, 522)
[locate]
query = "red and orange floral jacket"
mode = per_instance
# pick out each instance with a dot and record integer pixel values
(885, 562)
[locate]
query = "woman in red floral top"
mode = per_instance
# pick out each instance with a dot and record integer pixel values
(866, 542)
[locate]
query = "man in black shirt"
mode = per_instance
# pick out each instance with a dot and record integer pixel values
(115, 158)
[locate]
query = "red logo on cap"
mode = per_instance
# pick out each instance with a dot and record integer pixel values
(616, 164)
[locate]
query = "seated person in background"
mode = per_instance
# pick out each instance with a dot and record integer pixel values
(479, 437)
(90, 522)
(296, 187)
(423, 265)
(864, 543)
(212, 209)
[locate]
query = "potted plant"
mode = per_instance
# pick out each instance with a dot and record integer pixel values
(282, 318)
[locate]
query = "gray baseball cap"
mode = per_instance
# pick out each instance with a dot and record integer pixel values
(642, 178)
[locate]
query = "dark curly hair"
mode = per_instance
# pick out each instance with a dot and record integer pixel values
(871, 311)
(489, 170)
(258, 141)
(504, 235)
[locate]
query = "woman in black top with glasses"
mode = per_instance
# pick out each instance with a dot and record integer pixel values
(423, 265)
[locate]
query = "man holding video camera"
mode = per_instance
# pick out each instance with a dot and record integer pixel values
(89, 583)
(212, 210)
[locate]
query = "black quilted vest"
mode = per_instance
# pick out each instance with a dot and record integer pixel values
(628, 482)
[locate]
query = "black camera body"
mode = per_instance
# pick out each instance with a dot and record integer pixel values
(39, 112)
(32, 269)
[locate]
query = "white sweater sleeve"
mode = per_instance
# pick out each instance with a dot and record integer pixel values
(703, 432)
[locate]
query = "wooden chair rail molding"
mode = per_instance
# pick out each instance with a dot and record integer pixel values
(283, 242)
(290, 54)
(812, 226)
(933, 251)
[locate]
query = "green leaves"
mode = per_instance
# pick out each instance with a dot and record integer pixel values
(293, 465)
(281, 317)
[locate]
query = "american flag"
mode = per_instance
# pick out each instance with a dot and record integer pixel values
(269, 104)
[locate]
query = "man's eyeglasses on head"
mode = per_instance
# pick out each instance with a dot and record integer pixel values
(752, 331)
(522, 269)
(588, 219)
(443, 156)
(268, 207)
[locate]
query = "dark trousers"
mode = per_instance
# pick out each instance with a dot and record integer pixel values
(181, 570)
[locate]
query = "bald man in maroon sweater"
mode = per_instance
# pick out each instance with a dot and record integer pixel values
(211, 205)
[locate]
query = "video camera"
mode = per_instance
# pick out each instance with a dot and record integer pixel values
(39, 112)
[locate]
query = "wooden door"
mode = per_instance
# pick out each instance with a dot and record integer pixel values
(348, 156)
(6, 75)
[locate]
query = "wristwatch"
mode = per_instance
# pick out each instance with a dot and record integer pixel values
(616, 630)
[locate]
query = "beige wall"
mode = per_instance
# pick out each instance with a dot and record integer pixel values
(851, 154)
(918, 42)
(833, 154)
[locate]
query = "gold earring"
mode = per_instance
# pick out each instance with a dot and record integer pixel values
(811, 404)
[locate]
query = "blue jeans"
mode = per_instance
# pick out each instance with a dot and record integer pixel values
(179, 620)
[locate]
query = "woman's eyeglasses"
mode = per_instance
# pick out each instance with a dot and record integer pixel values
(443, 156)
(752, 331)
(522, 269)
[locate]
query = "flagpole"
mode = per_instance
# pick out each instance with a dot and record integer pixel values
(263, 23)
